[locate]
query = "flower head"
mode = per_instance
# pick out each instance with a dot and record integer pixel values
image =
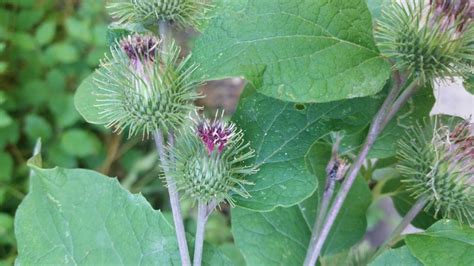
(429, 41)
(212, 161)
(142, 90)
(215, 134)
(437, 162)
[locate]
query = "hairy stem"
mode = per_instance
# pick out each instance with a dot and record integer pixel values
(414, 211)
(390, 105)
(203, 214)
(174, 201)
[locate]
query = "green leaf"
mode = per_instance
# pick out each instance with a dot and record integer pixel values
(75, 216)
(23, 41)
(57, 156)
(9, 134)
(85, 101)
(27, 18)
(279, 237)
(5, 119)
(444, 243)
(396, 257)
(281, 133)
(284, 233)
(80, 143)
(232, 252)
(45, 32)
(306, 50)
(3, 97)
(6, 229)
(37, 127)
(63, 53)
(79, 29)
(3, 67)
(62, 106)
(99, 34)
(6, 167)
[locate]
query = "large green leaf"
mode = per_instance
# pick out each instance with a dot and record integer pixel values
(396, 257)
(281, 133)
(444, 243)
(281, 236)
(82, 217)
(304, 50)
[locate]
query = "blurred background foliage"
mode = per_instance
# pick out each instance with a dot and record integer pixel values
(46, 48)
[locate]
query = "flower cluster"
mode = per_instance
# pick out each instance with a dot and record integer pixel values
(212, 161)
(143, 90)
(438, 163)
(429, 41)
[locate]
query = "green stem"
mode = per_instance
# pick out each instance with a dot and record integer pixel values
(200, 230)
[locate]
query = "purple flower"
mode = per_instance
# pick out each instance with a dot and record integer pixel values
(215, 134)
(140, 49)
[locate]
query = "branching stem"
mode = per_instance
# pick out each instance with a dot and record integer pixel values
(392, 104)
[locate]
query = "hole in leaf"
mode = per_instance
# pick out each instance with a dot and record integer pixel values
(300, 106)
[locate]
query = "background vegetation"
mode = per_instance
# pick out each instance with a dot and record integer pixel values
(46, 48)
